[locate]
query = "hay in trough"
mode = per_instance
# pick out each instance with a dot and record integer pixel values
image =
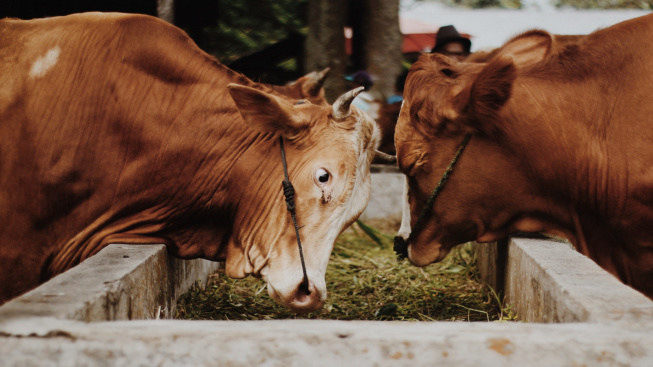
(365, 282)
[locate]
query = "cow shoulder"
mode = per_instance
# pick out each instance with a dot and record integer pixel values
(160, 49)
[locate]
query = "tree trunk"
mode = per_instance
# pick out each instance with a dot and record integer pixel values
(325, 43)
(382, 43)
(165, 10)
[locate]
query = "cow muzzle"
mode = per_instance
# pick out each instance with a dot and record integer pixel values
(302, 298)
(422, 255)
(418, 253)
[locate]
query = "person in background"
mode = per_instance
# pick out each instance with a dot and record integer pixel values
(451, 43)
(398, 97)
(365, 100)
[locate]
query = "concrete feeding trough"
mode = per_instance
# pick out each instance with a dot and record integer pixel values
(114, 309)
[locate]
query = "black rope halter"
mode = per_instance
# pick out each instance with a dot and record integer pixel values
(401, 244)
(289, 193)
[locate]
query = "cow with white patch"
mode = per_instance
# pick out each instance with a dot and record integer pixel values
(118, 129)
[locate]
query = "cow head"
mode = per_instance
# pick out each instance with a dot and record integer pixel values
(488, 195)
(328, 150)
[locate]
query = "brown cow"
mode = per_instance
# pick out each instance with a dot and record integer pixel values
(117, 128)
(561, 142)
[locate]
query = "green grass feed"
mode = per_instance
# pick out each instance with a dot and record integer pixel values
(365, 282)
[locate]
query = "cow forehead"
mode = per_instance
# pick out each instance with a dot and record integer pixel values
(349, 148)
(410, 142)
(359, 133)
(367, 133)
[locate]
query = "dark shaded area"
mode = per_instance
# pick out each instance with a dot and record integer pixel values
(260, 38)
(355, 16)
(194, 16)
(191, 15)
(263, 39)
(28, 9)
(263, 65)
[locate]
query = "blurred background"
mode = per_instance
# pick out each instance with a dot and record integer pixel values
(277, 41)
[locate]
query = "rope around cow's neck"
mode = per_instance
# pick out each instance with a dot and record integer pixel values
(401, 245)
(289, 193)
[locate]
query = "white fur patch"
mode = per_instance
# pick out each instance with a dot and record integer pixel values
(404, 230)
(43, 64)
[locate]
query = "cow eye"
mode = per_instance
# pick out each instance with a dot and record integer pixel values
(322, 176)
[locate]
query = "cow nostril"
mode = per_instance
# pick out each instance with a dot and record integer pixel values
(304, 287)
(307, 298)
(401, 247)
(303, 292)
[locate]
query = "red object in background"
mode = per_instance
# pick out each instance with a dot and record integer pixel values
(418, 36)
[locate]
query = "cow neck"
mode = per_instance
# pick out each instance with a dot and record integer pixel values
(289, 193)
(401, 244)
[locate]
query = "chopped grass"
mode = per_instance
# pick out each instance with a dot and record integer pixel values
(365, 282)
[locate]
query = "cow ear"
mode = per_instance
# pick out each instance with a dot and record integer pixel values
(312, 83)
(266, 112)
(488, 93)
(528, 48)
(433, 109)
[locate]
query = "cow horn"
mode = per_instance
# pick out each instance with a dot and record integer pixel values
(384, 157)
(341, 107)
